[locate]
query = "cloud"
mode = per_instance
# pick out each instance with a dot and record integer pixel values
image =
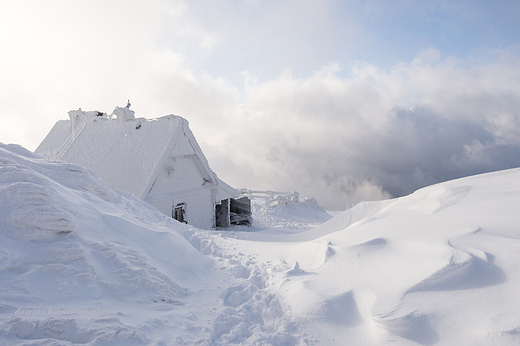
(348, 139)
(271, 92)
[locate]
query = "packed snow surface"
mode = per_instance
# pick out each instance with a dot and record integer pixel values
(82, 263)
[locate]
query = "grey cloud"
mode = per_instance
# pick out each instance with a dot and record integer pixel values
(343, 140)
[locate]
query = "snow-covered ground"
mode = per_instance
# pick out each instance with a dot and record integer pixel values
(82, 263)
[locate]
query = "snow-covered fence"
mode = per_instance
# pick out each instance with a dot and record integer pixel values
(272, 198)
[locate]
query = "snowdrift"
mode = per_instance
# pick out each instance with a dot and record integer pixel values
(73, 252)
(439, 266)
(82, 263)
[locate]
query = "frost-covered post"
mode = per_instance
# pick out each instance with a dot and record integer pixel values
(52, 154)
(72, 116)
(123, 114)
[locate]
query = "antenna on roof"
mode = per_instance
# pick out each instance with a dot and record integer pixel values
(128, 104)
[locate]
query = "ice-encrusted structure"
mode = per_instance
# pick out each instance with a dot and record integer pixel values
(157, 160)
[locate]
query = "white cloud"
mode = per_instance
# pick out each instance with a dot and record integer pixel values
(59, 55)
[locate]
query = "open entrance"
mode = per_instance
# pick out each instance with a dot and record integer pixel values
(233, 212)
(240, 211)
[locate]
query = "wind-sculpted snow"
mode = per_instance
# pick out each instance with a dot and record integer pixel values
(77, 257)
(82, 263)
(437, 267)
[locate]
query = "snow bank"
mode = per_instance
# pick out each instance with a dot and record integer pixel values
(77, 257)
(437, 267)
(82, 263)
(284, 219)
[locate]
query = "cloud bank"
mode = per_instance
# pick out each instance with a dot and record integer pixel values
(279, 105)
(376, 134)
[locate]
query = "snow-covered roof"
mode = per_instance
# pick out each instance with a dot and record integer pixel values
(129, 152)
(225, 191)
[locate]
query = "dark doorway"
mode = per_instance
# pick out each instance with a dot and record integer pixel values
(222, 213)
(240, 211)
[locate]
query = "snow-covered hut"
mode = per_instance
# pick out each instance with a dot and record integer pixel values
(157, 160)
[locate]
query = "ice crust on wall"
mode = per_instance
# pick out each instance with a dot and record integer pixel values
(107, 146)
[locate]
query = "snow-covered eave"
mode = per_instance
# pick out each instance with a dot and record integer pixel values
(225, 191)
(167, 196)
(201, 160)
(55, 140)
(158, 168)
(198, 151)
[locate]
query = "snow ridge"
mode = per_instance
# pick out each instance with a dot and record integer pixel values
(77, 257)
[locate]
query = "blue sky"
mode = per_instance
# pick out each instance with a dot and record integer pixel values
(340, 100)
(266, 37)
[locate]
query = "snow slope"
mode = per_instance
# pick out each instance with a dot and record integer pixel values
(82, 263)
(70, 243)
(441, 266)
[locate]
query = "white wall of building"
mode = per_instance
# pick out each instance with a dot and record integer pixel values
(181, 181)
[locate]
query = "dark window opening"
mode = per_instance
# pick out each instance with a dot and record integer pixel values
(179, 212)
